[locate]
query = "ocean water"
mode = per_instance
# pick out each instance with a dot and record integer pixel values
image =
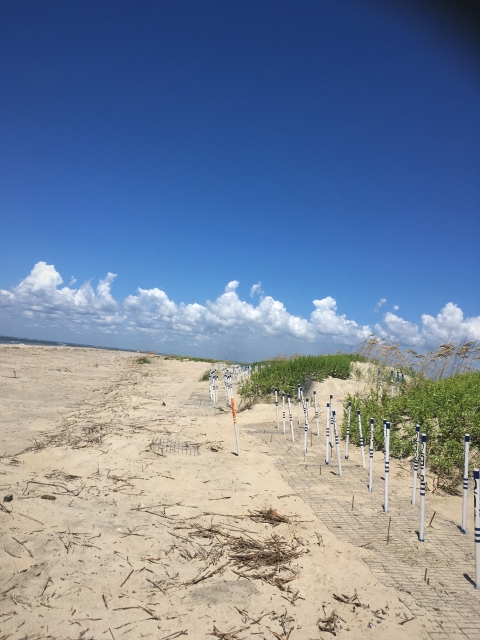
(51, 343)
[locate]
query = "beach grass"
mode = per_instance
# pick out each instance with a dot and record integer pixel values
(441, 393)
(286, 373)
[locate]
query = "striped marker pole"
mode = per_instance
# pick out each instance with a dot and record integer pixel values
(387, 464)
(465, 484)
(276, 407)
(291, 418)
(360, 433)
(476, 508)
(283, 411)
(298, 389)
(348, 429)
(305, 430)
(423, 467)
(316, 411)
(415, 464)
(332, 437)
(234, 415)
(328, 434)
(337, 444)
(370, 481)
(391, 381)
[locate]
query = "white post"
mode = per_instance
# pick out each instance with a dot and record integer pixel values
(348, 429)
(360, 433)
(476, 507)
(423, 467)
(283, 411)
(298, 389)
(370, 481)
(332, 437)
(328, 433)
(234, 415)
(387, 464)
(291, 418)
(305, 429)
(415, 464)
(316, 411)
(465, 484)
(276, 407)
(337, 444)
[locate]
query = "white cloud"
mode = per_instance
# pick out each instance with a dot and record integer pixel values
(448, 325)
(396, 307)
(379, 304)
(402, 330)
(326, 321)
(231, 286)
(256, 288)
(41, 300)
(39, 295)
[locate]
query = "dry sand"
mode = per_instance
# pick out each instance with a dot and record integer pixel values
(107, 538)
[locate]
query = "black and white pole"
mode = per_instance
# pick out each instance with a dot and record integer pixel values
(332, 437)
(298, 389)
(316, 411)
(370, 480)
(476, 511)
(283, 411)
(337, 443)
(305, 430)
(465, 484)
(360, 434)
(290, 417)
(423, 468)
(387, 465)
(276, 407)
(348, 429)
(415, 464)
(327, 451)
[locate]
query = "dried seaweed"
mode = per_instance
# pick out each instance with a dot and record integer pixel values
(269, 516)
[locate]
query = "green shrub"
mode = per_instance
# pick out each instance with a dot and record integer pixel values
(445, 409)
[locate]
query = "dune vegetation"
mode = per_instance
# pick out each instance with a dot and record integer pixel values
(441, 393)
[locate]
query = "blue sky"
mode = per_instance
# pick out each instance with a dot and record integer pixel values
(329, 150)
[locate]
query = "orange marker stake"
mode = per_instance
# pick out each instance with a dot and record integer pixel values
(234, 415)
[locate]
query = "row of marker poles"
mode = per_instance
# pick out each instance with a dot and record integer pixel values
(420, 440)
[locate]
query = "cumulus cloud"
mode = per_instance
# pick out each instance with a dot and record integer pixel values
(39, 295)
(396, 307)
(448, 325)
(42, 299)
(379, 304)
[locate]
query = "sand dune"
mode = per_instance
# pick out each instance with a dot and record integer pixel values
(109, 536)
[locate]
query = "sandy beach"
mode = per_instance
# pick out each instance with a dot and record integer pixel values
(132, 517)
